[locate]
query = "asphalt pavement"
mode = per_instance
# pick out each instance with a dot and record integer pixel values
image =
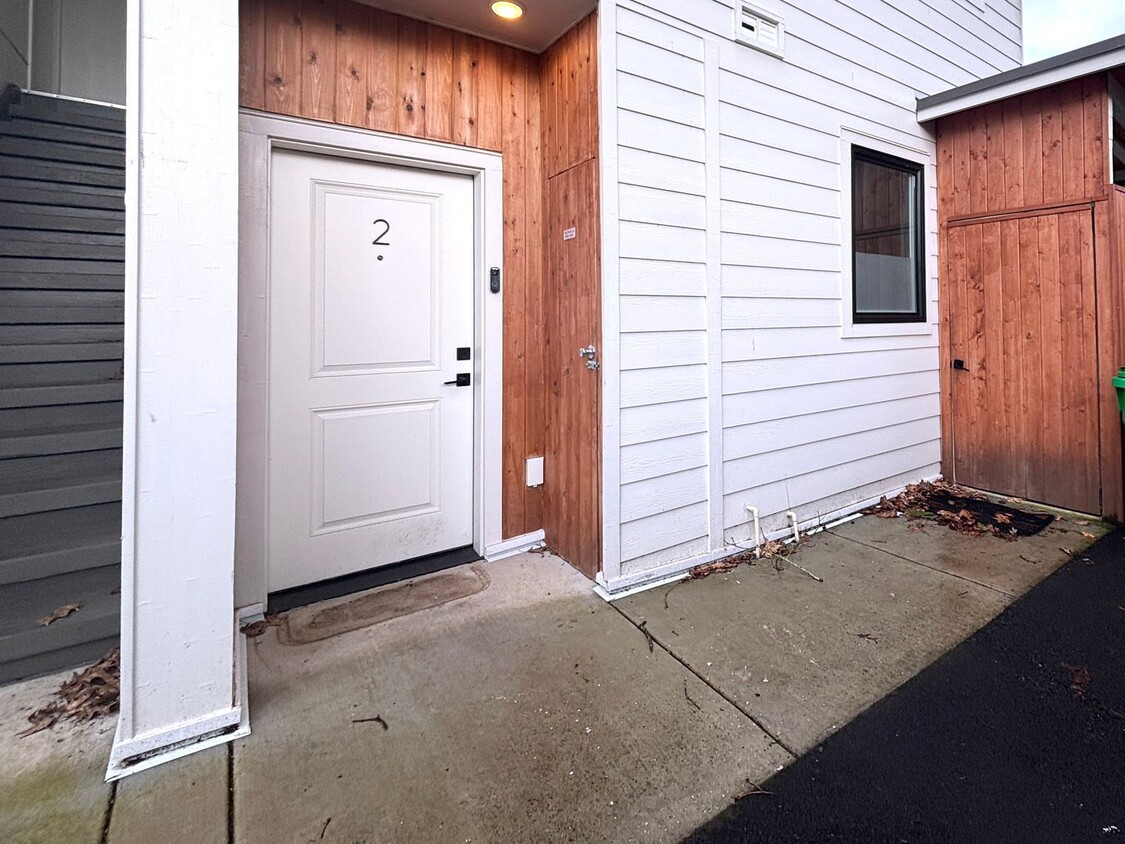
(1016, 735)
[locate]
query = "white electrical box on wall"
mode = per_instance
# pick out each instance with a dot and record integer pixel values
(535, 471)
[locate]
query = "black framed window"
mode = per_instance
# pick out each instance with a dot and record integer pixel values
(888, 239)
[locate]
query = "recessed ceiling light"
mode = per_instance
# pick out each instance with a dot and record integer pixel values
(507, 10)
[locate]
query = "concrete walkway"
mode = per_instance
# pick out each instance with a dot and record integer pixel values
(534, 711)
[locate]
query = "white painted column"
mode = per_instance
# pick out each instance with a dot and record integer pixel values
(178, 642)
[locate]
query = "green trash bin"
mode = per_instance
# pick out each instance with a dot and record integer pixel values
(1119, 384)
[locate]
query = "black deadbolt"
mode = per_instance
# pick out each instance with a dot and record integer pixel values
(960, 364)
(463, 353)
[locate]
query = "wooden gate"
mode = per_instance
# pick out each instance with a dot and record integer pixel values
(1023, 343)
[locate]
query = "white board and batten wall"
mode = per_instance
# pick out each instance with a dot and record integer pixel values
(75, 48)
(15, 34)
(740, 379)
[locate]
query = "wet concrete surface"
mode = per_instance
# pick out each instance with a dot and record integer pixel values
(1017, 736)
(534, 711)
(1010, 566)
(184, 802)
(802, 657)
(51, 783)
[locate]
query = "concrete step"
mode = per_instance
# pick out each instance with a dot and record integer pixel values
(59, 481)
(29, 647)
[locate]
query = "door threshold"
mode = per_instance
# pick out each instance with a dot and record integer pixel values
(336, 587)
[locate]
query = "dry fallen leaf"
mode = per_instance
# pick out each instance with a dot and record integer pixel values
(716, 567)
(1067, 551)
(89, 694)
(60, 612)
(1082, 522)
(1002, 518)
(1088, 535)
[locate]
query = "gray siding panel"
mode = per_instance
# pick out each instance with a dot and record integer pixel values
(61, 331)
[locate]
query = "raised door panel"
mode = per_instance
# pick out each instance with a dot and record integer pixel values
(371, 304)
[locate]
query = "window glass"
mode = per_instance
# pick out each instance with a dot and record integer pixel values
(887, 268)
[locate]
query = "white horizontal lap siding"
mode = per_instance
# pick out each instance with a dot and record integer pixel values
(731, 159)
(662, 311)
(863, 481)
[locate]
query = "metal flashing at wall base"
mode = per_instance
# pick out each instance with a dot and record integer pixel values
(513, 546)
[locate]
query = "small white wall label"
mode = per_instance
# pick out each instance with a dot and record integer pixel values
(570, 234)
(535, 471)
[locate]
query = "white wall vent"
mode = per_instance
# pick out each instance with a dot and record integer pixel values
(756, 27)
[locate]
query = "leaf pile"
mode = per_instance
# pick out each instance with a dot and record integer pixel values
(772, 549)
(920, 503)
(89, 694)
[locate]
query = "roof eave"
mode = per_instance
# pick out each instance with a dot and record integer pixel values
(1094, 59)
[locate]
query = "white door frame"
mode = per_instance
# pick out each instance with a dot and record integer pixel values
(259, 135)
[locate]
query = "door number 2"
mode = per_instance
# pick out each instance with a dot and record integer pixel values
(386, 229)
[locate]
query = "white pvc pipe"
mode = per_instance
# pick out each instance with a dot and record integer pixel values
(793, 520)
(753, 511)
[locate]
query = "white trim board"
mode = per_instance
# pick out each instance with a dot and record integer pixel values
(611, 291)
(52, 95)
(515, 545)
(926, 155)
(191, 737)
(259, 135)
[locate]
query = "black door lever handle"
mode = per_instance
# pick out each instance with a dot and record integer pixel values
(462, 380)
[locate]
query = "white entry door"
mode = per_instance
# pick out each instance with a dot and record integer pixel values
(371, 319)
